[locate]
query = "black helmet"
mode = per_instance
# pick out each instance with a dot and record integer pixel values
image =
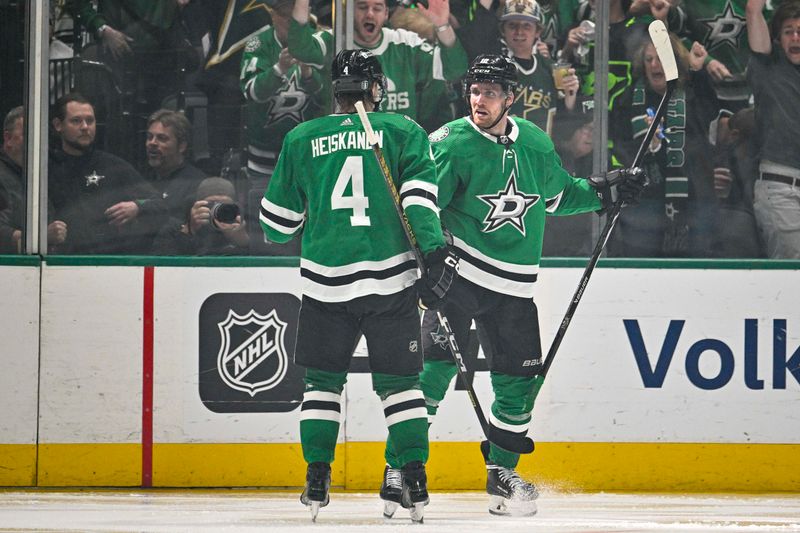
(491, 68)
(354, 72)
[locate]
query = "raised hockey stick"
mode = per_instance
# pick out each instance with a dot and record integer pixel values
(508, 440)
(661, 42)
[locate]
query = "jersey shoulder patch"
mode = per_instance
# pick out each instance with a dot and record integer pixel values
(439, 135)
(253, 44)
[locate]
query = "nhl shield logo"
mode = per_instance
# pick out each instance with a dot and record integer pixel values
(257, 360)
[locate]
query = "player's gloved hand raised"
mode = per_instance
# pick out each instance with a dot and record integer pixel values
(629, 183)
(441, 270)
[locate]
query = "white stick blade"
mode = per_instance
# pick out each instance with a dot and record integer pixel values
(362, 113)
(660, 38)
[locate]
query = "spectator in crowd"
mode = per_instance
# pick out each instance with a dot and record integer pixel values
(407, 60)
(169, 171)
(281, 92)
(143, 41)
(12, 187)
(774, 75)
(735, 172)
(574, 141)
(517, 36)
(90, 188)
(720, 26)
(626, 33)
(213, 225)
(675, 216)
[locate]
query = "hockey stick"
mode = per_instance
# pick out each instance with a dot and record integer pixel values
(661, 42)
(513, 442)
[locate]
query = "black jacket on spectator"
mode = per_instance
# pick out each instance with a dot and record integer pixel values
(12, 202)
(175, 193)
(82, 187)
(173, 240)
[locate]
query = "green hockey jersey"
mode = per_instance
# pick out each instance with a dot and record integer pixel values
(494, 198)
(408, 62)
(275, 103)
(328, 185)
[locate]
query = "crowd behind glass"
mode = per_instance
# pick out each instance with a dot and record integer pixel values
(167, 116)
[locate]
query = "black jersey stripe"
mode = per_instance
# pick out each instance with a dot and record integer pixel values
(320, 405)
(491, 269)
(403, 406)
(338, 281)
(285, 222)
(422, 193)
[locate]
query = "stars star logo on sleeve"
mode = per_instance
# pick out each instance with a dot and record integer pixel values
(725, 28)
(508, 206)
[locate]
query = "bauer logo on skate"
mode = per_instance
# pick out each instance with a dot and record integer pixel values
(246, 353)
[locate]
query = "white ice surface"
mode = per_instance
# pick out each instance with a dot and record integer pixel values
(233, 511)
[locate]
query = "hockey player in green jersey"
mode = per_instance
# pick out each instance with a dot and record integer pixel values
(409, 62)
(498, 177)
(358, 272)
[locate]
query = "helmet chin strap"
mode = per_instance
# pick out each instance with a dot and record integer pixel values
(499, 118)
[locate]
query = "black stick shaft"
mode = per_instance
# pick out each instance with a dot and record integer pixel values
(611, 221)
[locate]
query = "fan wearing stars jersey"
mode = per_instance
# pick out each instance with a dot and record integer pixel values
(498, 178)
(87, 186)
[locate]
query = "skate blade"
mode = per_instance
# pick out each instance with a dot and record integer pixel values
(389, 508)
(499, 506)
(417, 511)
(314, 508)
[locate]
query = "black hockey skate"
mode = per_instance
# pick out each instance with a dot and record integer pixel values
(509, 494)
(318, 482)
(391, 490)
(415, 490)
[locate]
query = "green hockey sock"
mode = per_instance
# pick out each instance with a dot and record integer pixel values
(320, 414)
(406, 418)
(514, 397)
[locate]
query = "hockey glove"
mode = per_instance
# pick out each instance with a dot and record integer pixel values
(632, 182)
(629, 183)
(441, 270)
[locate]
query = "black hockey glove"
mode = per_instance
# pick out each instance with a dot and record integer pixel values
(629, 183)
(632, 182)
(441, 270)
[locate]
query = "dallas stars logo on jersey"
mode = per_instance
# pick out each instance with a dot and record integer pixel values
(508, 206)
(725, 28)
(289, 102)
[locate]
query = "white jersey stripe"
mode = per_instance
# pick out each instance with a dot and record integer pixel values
(352, 268)
(363, 287)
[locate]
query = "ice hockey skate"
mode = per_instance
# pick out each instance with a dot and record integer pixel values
(509, 494)
(414, 496)
(315, 493)
(391, 490)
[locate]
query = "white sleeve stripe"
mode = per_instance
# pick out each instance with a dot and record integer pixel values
(553, 203)
(422, 202)
(419, 184)
(277, 227)
(282, 211)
